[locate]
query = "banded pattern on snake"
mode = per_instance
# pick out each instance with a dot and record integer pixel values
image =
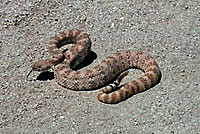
(101, 74)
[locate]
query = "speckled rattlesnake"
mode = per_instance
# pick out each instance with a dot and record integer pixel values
(101, 74)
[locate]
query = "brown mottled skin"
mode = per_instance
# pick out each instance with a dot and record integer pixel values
(101, 74)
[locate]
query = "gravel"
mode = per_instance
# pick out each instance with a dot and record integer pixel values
(167, 30)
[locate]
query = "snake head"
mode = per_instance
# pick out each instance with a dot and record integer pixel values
(42, 65)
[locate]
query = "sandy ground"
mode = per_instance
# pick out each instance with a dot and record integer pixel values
(168, 30)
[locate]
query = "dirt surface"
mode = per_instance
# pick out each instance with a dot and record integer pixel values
(168, 30)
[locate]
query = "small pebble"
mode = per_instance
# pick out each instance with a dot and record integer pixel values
(112, 25)
(83, 18)
(62, 117)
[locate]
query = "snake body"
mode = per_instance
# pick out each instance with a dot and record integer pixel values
(101, 74)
